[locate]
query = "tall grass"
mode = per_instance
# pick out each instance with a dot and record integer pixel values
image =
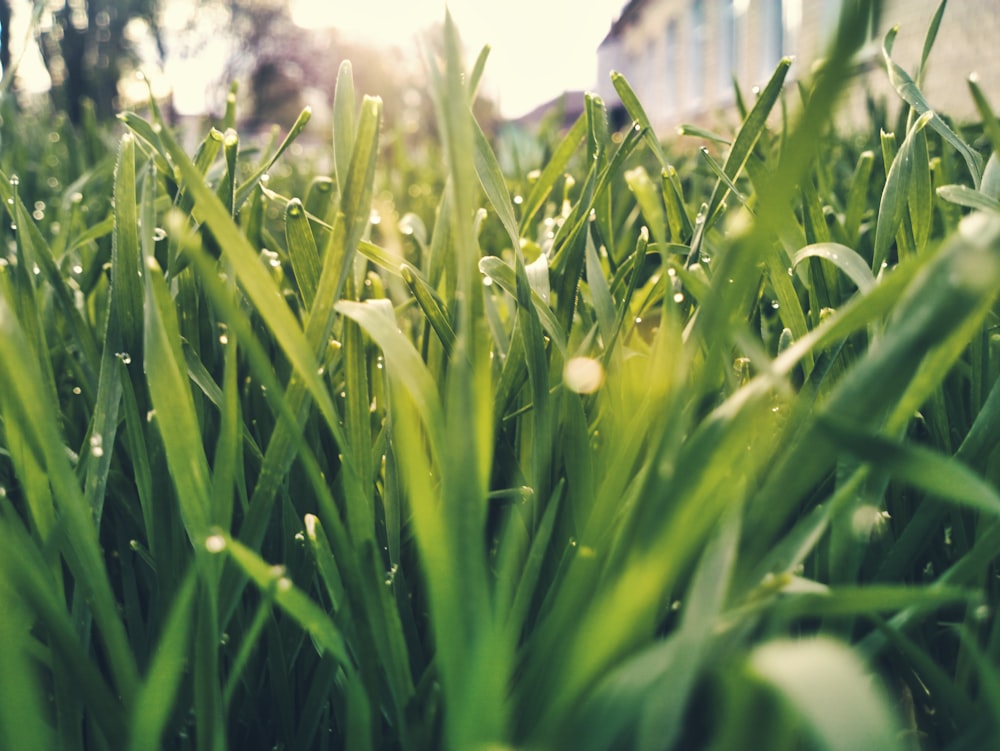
(649, 453)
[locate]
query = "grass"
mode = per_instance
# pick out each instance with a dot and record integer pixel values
(638, 451)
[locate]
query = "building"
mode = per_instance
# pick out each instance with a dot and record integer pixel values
(681, 56)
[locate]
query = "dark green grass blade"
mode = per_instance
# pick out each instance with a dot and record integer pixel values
(155, 701)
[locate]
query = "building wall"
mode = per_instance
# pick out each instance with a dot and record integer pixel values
(680, 55)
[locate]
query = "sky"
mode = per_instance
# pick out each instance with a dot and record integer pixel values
(538, 48)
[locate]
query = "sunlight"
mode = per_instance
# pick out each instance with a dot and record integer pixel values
(539, 48)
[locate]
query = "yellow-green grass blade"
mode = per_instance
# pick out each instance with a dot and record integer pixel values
(344, 122)
(650, 202)
(243, 192)
(638, 114)
(553, 171)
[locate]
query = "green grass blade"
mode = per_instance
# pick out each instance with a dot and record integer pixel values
(910, 92)
(273, 583)
(155, 701)
(344, 123)
(844, 258)
(938, 475)
(302, 251)
(176, 421)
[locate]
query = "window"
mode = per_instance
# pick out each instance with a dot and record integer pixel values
(726, 50)
(772, 36)
(670, 73)
(697, 57)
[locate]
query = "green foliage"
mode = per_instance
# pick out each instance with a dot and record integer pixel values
(641, 450)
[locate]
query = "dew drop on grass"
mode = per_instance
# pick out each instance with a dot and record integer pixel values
(518, 200)
(77, 391)
(775, 304)
(159, 234)
(223, 339)
(487, 281)
(15, 181)
(390, 575)
(638, 320)
(583, 375)
(215, 543)
(125, 357)
(96, 446)
(678, 297)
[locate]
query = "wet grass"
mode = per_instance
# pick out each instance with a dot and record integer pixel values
(636, 451)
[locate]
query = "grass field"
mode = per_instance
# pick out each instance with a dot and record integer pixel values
(639, 450)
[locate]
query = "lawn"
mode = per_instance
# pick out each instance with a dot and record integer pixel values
(652, 447)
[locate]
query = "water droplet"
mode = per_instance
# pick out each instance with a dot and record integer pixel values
(638, 320)
(284, 584)
(375, 217)
(215, 543)
(390, 575)
(34, 269)
(223, 339)
(76, 198)
(230, 138)
(77, 391)
(678, 297)
(159, 234)
(295, 209)
(487, 281)
(518, 200)
(15, 181)
(125, 357)
(583, 375)
(572, 542)
(96, 445)
(775, 305)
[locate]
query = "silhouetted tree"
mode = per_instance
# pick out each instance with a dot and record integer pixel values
(5, 36)
(88, 45)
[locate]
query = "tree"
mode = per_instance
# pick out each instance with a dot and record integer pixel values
(88, 45)
(5, 36)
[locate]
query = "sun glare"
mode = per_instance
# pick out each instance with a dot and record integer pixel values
(391, 22)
